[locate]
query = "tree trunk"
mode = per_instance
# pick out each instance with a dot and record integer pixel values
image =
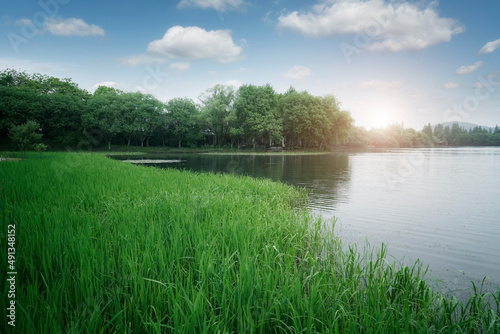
(109, 145)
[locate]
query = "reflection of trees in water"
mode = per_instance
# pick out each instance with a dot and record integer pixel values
(326, 176)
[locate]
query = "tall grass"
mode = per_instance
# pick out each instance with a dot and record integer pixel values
(107, 247)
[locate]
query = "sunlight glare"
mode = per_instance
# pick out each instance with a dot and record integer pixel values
(381, 120)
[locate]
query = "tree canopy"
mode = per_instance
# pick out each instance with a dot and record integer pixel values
(251, 115)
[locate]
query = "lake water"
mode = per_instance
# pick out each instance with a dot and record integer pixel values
(441, 206)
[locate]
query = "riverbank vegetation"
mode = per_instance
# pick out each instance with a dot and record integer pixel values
(107, 247)
(396, 136)
(251, 116)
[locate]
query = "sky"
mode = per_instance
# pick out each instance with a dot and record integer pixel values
(387, 61)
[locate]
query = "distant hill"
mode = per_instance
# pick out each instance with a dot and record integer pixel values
(465, 125)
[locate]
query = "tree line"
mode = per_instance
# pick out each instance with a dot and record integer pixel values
(456, 135)
(395, 135)
(252, 115)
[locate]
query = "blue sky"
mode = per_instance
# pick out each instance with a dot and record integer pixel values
(410, 62)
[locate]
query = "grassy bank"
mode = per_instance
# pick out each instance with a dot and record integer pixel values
(106, 247)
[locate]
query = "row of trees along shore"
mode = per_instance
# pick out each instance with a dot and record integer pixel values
(253, 116)
(395, 135)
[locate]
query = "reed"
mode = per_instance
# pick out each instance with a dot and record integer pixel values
(108, 247)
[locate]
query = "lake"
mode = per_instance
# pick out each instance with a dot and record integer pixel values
(438, 205)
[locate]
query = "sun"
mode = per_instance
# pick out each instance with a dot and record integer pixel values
(381, 120)
(378, 114)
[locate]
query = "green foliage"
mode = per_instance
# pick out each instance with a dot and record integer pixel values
(57, 105)
(112, 112)
(314, 121)
(218, 111)
(253, 115)
(105, 90)
(25, 135)
(182, 118)
(106, 247)
(394, 135)
(257, 115)
(17, 106)
(147, 110)
(459, 136)
(103, 114)
(41, 84)
(40, 147)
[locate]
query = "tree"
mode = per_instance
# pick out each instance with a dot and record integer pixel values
(182, 114)
(148, 116)
(56, 104)
(428, 130)
(103, 115)
(446, 133)
(293, 108)
(16, 107)
(129, 115)
(439, 132)
(105, 90)
(25, 135)
(358, 137)
(218, 106)
(256, 114)
(314, 121)
(61, 117)
(163, 127)
(336, 125)
(456, 134)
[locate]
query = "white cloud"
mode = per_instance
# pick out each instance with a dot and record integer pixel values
(451, 85)
(221, 5)
(196, 43)
(72, 27)
(468, 69)
(380, 25)
(297, 73)
(489, 47)
(180, 67)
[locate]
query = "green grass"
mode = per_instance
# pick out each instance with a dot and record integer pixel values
(108, 247)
